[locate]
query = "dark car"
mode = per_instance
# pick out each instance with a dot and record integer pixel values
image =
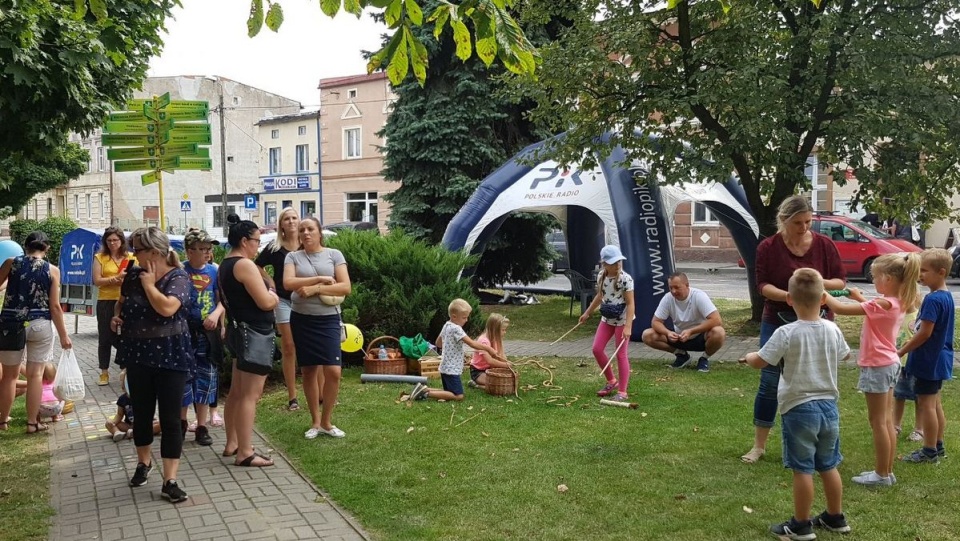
(356, 226)
(558, 242)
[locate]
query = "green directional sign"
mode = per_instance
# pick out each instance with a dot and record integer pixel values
(127, 116)
(125, 166)
(120, 140)
(195, 164)
(131, 153)
(186, 114)
(174, 136)
(187, 105)
(161, 102)
(145, 128)
(137, 105)
(149, 178)
(182, 127)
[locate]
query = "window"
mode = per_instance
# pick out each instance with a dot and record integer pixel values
(103, 209)
(87, 200)
(352, 94)
(308, 208)
(76, 206)
(301, 130)
(236, 100)
(49, 207)
(89, 158)
(275, 161)
(838, 232)
(816, 173)
(270, 212)
(361, 207)
(218, 214)
(274, 134)
(702, 215)
(303, 158)
(351, 143)
(101, 161)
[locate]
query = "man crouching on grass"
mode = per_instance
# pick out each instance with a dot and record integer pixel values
(808, 352)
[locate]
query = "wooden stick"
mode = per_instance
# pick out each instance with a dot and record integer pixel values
(610, 359)
(566, 333)
(631, 405)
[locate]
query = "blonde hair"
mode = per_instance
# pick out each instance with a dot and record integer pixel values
(938, 258)
(494, 330)
(904, 269)
(49, 372)
(791, 206)
(283, 213)
(459, 307)
(603, 274)
(806, 287)
(153, 238)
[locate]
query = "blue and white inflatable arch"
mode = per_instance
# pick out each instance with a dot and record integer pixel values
(609, 204)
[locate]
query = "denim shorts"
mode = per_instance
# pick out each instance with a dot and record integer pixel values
(452, 383)
(282, 311)
(878, 379)
(811, 437)
(903, 390)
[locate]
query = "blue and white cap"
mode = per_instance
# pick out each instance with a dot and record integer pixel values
(610, 254)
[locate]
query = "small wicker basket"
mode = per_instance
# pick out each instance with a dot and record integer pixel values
(395, 363)
(502, 381)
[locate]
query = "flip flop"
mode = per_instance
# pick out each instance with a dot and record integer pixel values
(248, 462)
(233, 453)
(37, 427)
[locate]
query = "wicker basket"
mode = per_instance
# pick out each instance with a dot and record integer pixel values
(502, 382)
(395, 363)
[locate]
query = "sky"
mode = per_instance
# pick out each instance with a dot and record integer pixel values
(209, 37)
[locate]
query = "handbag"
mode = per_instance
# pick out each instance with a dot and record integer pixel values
(329, 300)
(13, 335)
(611, 310)
(253, 349)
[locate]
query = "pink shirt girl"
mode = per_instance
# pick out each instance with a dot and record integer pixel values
(878, 338)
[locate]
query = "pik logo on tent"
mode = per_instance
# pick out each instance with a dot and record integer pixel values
(561, 175)
(76, 252)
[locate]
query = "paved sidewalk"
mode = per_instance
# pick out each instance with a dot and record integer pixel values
(90, 482)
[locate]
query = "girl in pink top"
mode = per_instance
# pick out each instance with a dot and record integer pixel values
(50, 405)
(492, 336)
(895, 277)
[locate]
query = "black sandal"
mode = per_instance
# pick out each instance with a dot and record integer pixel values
(37, 427)
(293, 405)
(248, 462)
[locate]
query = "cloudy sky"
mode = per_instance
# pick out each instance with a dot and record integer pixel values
(209, 37)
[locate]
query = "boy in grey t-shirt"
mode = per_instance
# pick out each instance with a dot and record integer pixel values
(808, 352)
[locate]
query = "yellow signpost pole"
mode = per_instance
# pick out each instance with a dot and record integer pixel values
(163, 222)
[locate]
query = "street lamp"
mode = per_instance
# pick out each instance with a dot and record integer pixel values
(223, 157)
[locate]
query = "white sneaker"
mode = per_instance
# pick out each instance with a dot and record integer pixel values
(871, 478)
(334, 432)
(893, 476)
(312, 433)
(119, 435)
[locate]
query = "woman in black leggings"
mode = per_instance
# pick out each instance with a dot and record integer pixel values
(151, 316)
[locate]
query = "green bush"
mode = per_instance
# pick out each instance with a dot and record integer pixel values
(401, 286)
(55, 227)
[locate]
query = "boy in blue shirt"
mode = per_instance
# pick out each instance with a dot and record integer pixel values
(930, 353)
(808, 351)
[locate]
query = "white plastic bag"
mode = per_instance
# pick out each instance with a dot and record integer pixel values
(68, 384)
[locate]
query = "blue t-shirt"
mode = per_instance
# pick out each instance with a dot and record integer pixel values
(933, 360)
(205, 287)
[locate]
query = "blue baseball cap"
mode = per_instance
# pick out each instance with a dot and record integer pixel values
(610, 254)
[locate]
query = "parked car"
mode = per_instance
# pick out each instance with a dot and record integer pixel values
(356, 226)
(858, 242)
(558, 242)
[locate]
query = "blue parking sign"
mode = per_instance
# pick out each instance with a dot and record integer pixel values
(250, 202)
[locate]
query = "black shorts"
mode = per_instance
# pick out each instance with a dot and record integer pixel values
(697, 343)
(475, 373)
(927, 386)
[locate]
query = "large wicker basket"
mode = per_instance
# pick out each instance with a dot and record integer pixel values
(502, 382)
(395, 363)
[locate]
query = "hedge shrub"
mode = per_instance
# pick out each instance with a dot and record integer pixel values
(55, 227)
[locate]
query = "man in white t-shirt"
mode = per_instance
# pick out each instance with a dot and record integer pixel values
(696, 324)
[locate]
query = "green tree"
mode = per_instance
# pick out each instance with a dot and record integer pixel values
(443, 138)
(62, 66)
(25, 178)
(760, 88)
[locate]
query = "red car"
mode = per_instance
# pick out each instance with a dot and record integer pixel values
(859, 243)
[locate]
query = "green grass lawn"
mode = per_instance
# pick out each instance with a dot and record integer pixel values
(490, 467)
(24, 481)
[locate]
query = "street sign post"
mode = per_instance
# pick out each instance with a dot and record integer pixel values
(156, 135)
(250, 202)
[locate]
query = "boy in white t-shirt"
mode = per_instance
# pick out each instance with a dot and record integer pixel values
(696, 324)
(451, 340)
(808, 351)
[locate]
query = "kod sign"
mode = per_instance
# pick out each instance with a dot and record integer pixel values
(286, 183)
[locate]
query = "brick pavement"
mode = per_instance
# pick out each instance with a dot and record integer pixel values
(90, 491)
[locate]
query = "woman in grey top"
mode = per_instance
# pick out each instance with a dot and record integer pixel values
(314, 273)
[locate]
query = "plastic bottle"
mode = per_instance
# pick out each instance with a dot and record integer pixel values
(382, 355)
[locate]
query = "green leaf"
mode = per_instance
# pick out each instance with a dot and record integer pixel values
(393, 12)
(330, 7)
(352, 6)
(384, 54)
(274, 17)
(726, 5)
(255, 20)
(378, 3)
(400, 62)
(418, 56)
(79, 9)
(414, 12)
(672, 3)
(439, 17)
(461, 36)
(485, 37)
(99, 9)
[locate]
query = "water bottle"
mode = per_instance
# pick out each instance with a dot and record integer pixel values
(382, 355)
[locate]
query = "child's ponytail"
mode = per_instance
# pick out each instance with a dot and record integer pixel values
(909, 295)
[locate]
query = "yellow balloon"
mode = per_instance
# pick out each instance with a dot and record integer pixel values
(354, 339)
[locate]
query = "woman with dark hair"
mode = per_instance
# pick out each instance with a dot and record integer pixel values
(109, 270)
(151, 318)
(248, 300)
(315, 274)
(31, 308)
(794, 246)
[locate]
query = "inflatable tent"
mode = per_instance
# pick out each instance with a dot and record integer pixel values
(612, 203)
